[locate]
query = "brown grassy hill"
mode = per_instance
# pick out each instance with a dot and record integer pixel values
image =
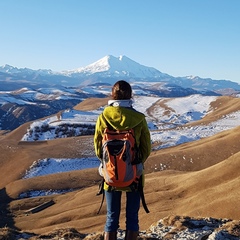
(202, 179)
(211, 192)
(16, 157)
(92, 104)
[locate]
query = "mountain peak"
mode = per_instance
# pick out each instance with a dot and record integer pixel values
(124, 58)
(8, 69)
(7, 66)
(121, 66)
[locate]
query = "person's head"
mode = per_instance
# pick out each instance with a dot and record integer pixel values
(121, 90)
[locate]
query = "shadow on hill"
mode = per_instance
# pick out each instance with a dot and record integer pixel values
(6, 219)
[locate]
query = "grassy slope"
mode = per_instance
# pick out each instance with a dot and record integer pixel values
(203, 183)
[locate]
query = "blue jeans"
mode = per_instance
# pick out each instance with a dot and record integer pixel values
(113, 199)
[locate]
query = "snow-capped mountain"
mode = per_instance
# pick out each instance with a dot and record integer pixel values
(108, 70)
(122, 66)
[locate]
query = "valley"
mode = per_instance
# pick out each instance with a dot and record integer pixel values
(190, 178)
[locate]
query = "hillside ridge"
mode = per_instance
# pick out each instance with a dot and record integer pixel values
(196, 179)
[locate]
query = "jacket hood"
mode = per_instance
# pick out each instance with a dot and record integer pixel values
(122, 118)
(120, 103)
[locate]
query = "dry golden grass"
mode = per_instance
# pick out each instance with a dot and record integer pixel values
(202, 180)
(92, 104)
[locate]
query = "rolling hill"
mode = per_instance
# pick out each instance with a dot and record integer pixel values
(198, 178)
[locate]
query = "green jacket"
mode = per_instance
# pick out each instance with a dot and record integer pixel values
(122, 118)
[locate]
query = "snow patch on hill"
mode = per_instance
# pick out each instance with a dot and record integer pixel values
(51, 166)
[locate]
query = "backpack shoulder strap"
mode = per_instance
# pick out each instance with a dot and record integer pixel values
(101, 191)
(140, 189)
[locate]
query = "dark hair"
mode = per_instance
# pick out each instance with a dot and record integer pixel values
(121, 90)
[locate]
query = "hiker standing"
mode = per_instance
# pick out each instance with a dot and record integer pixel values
(119, 115)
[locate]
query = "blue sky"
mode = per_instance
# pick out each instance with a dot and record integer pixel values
(178, 37)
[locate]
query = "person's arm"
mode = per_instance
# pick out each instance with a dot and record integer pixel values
(145, 141)
(98, 139)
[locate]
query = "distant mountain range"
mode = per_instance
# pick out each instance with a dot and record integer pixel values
(27, 94)
(108, 70)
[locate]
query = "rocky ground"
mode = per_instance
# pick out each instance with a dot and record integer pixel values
(173, 227)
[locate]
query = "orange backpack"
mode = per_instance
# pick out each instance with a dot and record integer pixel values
(119, 158)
